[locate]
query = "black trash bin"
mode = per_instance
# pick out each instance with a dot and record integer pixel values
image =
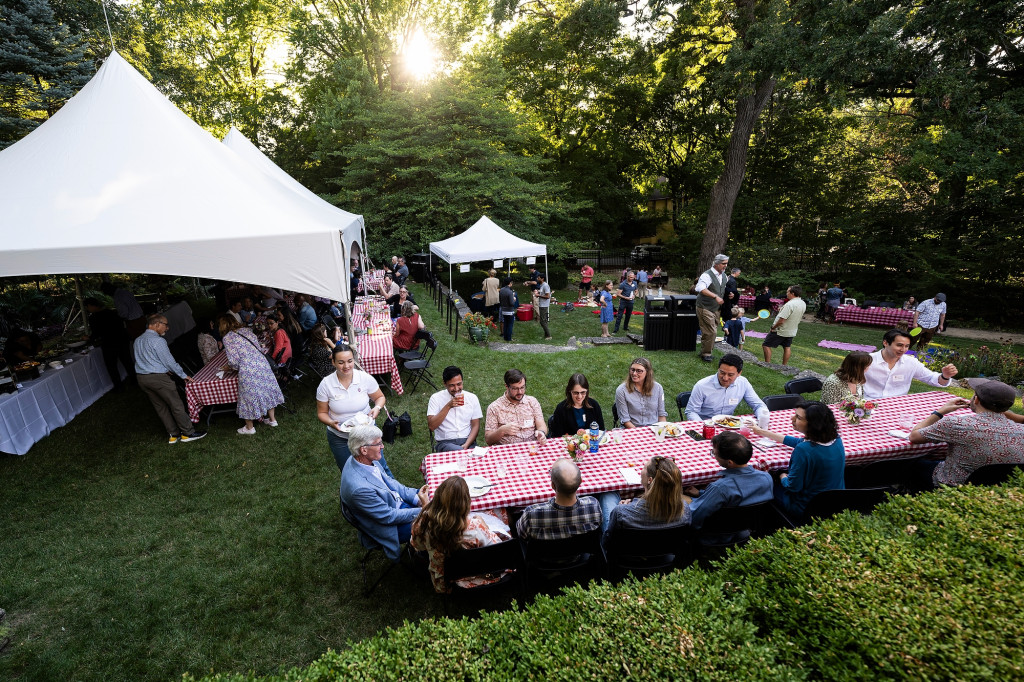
(418, 267)
(657, 324)
(683, 310)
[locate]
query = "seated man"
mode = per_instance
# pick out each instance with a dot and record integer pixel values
(989, 435)
(739, 486)
(721, 393)
(384, 507)
(514, 417)
(304, 313)
(891, 371)
(565, 515)
(389, 288)
(401, 272)
(453, 414)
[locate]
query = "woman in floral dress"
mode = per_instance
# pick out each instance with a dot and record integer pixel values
(258, 392)
(445, 525)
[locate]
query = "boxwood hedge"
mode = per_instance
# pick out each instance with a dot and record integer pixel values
(925, 588)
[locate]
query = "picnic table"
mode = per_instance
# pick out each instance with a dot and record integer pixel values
(528, 477)
(373, 280)
(206, 388)
(747, 303)
(881, 317)
(374, 348)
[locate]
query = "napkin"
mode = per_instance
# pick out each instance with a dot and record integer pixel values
(479, 451)
(903, 435)
(68, 361)
(220, 374)
(630, 474)
(449, 468)
(765, 442)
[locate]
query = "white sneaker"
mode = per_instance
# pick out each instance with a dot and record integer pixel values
(268, 422)
(247, 432)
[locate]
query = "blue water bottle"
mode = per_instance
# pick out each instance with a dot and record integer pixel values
(594, 433)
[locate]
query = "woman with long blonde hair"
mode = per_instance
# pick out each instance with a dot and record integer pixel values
(662, 504)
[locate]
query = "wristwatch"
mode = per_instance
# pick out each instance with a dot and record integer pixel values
(938, 414)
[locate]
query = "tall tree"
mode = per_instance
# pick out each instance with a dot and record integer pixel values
(42, 65)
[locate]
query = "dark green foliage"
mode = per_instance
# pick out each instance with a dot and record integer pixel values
(42, 65)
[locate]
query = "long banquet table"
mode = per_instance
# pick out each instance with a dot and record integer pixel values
(51, 401)
(528, 480)
(374, 348)
(880, 317)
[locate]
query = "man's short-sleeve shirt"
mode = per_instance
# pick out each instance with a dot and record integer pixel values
(793, 312)
(975, 440)
(523, 415)
(929, 312)
(459, 420)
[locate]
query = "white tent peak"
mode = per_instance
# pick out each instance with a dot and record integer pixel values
(120, 180)
(485, 240)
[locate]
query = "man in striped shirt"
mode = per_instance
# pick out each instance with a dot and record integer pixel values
(564, 516)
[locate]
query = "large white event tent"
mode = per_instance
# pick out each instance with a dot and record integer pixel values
(485, 241)
(120, 180)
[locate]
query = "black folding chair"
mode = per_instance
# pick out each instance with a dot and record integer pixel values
(782, 402)
(370, 545)
(646, 551)
(565, 559)
(828, 503)
(732, 526)
(994, 474)
(419, 370)
(490, 560)
(801, 386)
(409, 355)
(681, 401)
(615, 416)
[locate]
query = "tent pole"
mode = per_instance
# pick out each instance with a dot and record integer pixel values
(80, 303)
(450, 280)
(546, 278)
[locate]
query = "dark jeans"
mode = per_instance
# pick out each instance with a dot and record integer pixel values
(543, 312)
(507, 322)
(625, 311)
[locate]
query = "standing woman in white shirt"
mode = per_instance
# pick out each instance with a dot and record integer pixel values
(342, 395)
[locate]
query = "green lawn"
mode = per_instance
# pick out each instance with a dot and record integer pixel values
(124, 558)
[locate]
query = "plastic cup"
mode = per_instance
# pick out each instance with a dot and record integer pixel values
(462, 460)
(907, 422)
(762, 420)
(460, 399)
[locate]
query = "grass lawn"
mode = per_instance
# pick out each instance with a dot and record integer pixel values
(122, 557)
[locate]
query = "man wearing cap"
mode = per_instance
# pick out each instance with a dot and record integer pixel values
(710, 291)
(929, 316)
(891, 370)
(988, 435)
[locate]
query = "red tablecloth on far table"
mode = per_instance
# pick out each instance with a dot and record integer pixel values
(528, 478)
(882, 317)
(747, 303)
(206, 389)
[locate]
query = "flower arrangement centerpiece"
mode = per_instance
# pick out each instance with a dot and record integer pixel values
(480, 326)
(577, 444)
(856, 409)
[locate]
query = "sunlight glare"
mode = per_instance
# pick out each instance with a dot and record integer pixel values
(419, 56)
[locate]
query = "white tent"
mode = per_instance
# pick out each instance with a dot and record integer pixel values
(485, 241)
(120, 180)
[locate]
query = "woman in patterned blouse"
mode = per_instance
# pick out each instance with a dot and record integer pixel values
(445, 525)
(848, 380)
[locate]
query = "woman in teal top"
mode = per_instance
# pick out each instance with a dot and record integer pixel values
(818, 461)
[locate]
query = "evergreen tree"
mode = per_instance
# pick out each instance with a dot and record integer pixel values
(42, 64)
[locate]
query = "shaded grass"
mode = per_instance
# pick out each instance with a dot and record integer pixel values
(124, 558)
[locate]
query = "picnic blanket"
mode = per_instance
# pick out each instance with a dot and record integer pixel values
(839, 345)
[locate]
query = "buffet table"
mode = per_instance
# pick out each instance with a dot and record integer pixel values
(52, 400)
(527, 478)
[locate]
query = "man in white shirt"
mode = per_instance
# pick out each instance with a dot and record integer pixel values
(710, 291)
(930, 316)
(453, 414)
(891, 371)
(784, 328)
(721, 393)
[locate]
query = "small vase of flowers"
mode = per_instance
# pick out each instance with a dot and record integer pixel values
(578, 444)
(856, 410)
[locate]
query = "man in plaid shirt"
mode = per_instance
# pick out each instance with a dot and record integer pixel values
(565, 515)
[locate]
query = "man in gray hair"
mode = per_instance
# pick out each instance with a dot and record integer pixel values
(710, 297)
(384, 508)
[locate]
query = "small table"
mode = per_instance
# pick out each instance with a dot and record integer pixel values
(880, 317)
(528, 478)
(747, 303)
(206, 388)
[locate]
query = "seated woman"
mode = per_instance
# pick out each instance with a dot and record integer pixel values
(404, 334)
(910, 304)
(445, 525)
(640, 400)
(848, 380)
(281, 350)
(320, 350)
(577, 410)
(290, 324)
(662, 504)
(207, 342)
(396, 302)
(817, 462)
(258, 391)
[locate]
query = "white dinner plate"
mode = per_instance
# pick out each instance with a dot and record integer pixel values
(354, 421)
(478, 485)
(671, 429)
(718, 420)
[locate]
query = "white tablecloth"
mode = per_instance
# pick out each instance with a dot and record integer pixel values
(51, 401)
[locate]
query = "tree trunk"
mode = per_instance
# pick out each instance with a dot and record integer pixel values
(727, 188)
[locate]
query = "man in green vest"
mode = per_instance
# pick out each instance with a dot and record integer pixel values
(710, 296)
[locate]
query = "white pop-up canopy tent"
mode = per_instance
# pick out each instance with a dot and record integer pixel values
(120, 180)
(485, 241)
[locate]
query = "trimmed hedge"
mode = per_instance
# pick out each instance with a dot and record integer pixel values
(927, 587)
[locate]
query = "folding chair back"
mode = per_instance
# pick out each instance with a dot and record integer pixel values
(782, 402)
(828, 503)
(646, 551)
(993, 474)
(801, 386)
(681, 401)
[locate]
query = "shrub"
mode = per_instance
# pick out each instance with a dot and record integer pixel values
(1001, 362)
(927, 587)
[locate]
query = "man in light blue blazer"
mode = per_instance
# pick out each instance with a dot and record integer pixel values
(384, 507)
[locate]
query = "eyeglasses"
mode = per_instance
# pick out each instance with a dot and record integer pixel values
(579, 392)
(378, 444)
(637, 370)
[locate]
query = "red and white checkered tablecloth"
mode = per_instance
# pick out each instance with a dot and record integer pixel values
(882, 317)
(376, 355)
(747, 303)
(528, 478)
(373, 280)
(206, 389)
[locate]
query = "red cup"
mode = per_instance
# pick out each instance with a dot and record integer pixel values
(709, 432)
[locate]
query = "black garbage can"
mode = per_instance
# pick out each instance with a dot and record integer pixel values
(418, 267)
(657, 324)
(683, 310)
